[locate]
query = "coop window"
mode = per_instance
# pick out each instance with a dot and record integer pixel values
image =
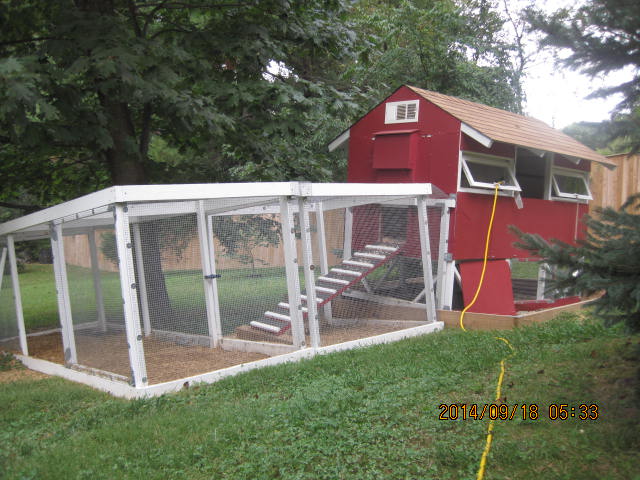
(570, 184)
(401, 112)
(484, 171)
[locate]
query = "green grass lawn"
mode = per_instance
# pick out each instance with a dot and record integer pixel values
(366, 414)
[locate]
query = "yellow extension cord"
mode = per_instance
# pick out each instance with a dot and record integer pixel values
(487, 447)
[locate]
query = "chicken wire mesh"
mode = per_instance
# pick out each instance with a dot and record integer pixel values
(95, 298)
(252, 288)
(367, 272)
(375, 281)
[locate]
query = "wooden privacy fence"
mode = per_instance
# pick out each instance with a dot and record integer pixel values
(611, 188)
(76, 251)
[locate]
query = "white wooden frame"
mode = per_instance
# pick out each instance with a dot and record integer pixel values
(207, 256)
(291, 268)
(475, 186)
(62, 289)
(558, 194)
(309, 279)
(115, 205)
(391, 112)
(130, 297)
(13, 266)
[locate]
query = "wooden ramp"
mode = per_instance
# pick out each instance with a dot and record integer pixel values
(331, 285)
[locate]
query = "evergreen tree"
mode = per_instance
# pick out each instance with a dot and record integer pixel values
(601, 36)
(607, 260)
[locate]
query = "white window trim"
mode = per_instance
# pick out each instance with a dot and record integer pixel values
(483, 187)
(556, 194)
(391, 109)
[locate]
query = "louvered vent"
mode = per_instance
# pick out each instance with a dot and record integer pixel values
(401, 112)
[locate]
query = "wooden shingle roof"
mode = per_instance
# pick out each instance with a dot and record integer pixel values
(502, 126)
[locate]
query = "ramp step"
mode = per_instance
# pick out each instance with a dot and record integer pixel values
(326, 290)
(278, 316)
(369, 255)
(265, 326)
(286, 305)
(384, 248)
(334, 280)
(354, 263)
(318, 299)
(351, 273)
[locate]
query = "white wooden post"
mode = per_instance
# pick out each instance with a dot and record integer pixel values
(142, 279)
(17, 298)
(209, 276)
(309, 279)
(425, 249)
(443, 258)
(324, 257)
(130, 297)
(3, 258)
(97, 285)
(542, 280)
(62, 289)
(348, 233)
(291, 267)
(214, 283)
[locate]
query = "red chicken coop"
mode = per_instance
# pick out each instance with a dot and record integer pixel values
(463, 149)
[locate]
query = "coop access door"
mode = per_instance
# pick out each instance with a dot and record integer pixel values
(250, 275)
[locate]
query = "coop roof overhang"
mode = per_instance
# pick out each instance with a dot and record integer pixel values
(148, 202)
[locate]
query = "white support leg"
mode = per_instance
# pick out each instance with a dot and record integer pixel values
(97, 285)
(291, 266)
(542, 280)
(443, 256)
(425, 249)
(449, 281)
(348, 233)
(142, 280)
(309, 280)
(214, 281)
(62, 288)
(209, 276)
(130, 298)
(324, 257)
(13, 265)
(3, 258)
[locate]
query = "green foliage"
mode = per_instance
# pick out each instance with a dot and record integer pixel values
(367, 414)
(7, 361)
(598, 38)
(607, 137)
(453, 47)
(87, 87)
(607, 260)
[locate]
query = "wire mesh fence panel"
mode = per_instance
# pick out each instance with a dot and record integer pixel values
(173, 314)
(95, 298)
(38, 295)
(9, 340)
(252, 288)
(375, 280)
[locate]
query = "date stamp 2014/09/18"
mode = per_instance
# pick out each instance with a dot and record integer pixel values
(525, 411)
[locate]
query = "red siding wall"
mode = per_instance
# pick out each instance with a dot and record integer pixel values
(436, 145)
(472, 218)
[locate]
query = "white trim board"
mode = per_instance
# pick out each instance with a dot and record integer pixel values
(94, 204)
(124, 390)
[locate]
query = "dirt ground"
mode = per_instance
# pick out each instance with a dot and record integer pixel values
(106, 353)
(165, 361)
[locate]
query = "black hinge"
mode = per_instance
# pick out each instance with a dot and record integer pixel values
(212, 276)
